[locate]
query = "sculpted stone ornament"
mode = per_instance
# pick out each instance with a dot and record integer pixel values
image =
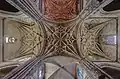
(60, 38)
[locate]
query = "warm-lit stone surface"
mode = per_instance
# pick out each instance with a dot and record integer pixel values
(60, 9)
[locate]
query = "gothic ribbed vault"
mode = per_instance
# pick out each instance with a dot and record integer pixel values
(67, 29)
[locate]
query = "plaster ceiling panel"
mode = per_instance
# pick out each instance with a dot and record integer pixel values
(22, 39)
(12, 39)
(93, 31)
(60, 10)
(50, 69)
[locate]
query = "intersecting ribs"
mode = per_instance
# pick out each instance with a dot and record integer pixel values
(60, 9)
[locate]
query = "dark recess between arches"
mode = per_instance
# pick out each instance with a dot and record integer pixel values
(5, 6)
(114, 5)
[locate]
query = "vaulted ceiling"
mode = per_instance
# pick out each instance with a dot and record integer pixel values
(62, 28)
(66, 28)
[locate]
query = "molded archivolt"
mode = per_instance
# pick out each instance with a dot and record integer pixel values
(58, 10)
(7, 67)
(60, 39)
